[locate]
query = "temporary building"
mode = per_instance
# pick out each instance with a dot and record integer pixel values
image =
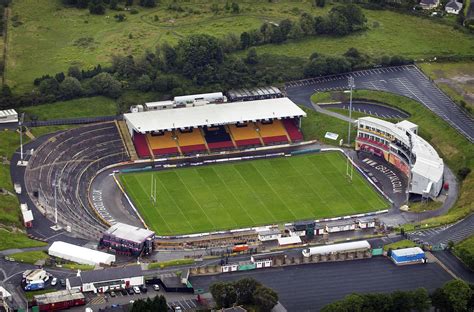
(408, 255)
(290, 240)
(79, 254)
(335, 248)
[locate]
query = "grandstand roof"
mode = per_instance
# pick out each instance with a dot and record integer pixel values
(8, 112)
(428, 163)
(213, 114)
(129, 232)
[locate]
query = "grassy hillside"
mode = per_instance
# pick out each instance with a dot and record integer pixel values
(456, 151)
(51, 37)
(84, 107)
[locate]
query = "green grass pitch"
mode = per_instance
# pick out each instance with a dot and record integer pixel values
(250, 193)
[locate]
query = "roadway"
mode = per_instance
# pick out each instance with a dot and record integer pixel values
(374, 109)
(407, 81)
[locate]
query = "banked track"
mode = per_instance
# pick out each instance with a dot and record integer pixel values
(70, 160)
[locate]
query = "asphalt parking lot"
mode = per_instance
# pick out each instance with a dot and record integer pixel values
(407, 80)
(312, 286)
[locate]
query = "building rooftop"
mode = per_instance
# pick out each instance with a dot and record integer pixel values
(58, 296)
(110, 274)
(213, 114)
(129, 232)
(79, 254)
(407, 251)
(428, 163)
(8, 112)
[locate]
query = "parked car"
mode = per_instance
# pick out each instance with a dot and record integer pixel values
(54, 281)
(124, 291)
(130, 291)
(136, 289)
(62, 282)
(156, 287)
(143, 289)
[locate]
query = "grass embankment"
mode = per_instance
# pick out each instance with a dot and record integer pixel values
(165, 264)
(315, 126)
(10, 215)
(11, 240)
(422, 207)
(250, 193)
(405, 243)
(30, 294)
(77, 266)
(30, 256)
(465, 251)
(456, 150)
(84, 107)
(83, 39)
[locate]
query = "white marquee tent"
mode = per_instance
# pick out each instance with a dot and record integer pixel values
(79, 254)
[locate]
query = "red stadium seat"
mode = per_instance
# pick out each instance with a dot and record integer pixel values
(141, 145)
(292, 130)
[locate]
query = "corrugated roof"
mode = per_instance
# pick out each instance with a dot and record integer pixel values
(8, 112)
(407, 251)
(213, 114)
(111, 274)
(129, 232)
(58, 296)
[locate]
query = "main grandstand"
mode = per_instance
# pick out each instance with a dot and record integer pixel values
(206, 123)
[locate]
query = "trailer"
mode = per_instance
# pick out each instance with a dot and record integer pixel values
(34, 285)
(357, 246)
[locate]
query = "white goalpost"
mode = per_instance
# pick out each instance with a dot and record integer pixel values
(153, 190)
(349, 168)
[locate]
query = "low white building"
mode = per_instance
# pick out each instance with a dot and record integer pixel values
(289, 240)
(268, 235)
(9, 115)
(340, 226)
(100, 281)
(79, 254)
(453, 7)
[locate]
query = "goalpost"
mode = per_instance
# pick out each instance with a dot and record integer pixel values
(153, 190)
(349, 171)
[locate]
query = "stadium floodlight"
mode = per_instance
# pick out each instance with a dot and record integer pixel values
(56, 183)
(351, 86)
(20, 125)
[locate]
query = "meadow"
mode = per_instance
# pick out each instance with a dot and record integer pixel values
(250, 193)
(50, 37)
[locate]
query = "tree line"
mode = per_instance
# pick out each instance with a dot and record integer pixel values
(246, 291)
(157, 304)
(454, 296)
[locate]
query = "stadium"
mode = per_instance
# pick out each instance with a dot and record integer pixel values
(199, 167)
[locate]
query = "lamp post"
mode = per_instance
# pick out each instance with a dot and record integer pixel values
(351, 86)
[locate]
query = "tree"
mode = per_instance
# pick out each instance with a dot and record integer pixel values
(352, 52)
(148, 3)
(320, 3)
(170, 56)
(245, 289)
(420, 300)
(307, 24)
(49, 86)
(105, 84)
(223, 293)
(285, 27)
(75, 72)
(96, 7)
(296, 32)
(463, 173)
(70, 88)
(59, 77)
(458, 294)
(199, 55)
(252, 57)
(439, 300)
(265, 298)
(113, 4)
(245, 40)
(235, 7)
(144, 83)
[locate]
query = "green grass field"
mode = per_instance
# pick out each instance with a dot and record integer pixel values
(250, 193)
(51, 37)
